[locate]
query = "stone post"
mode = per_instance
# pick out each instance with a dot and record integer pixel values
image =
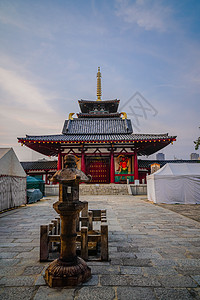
(68, 269)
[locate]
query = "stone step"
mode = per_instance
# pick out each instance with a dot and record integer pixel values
(103, 189)
(92, 189)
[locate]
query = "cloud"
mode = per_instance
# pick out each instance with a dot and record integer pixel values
(21, 91)
(22, 19)
(191, 67)
(148, 14)
(24, 108)
(9, 15)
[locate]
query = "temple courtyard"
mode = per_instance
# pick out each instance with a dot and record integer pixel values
(154, 252)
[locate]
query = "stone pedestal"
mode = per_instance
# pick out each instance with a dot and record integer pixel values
(60, 273)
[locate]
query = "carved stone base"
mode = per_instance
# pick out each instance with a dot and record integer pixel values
(60, 273)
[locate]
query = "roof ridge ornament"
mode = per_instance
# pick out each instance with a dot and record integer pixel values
(98, 85)
(124, 115)
(70, 116)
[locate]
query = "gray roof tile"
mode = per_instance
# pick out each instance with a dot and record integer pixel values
(146, 164)
(39, 165)
(97, 137)
(97, 125)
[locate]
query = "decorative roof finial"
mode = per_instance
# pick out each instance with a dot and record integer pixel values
(98, 85)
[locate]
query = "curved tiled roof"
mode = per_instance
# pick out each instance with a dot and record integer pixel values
(101, 101)
(146, 144)
(97, 126)
(97, 115)
(88, 106)
(39, 165)
(147, 163)
(97, 137)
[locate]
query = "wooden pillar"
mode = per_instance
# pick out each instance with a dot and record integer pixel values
(84, 213)
(90, 224)
(135, 166)
(83, 162)
(59, 165)
(46, 177)
(84, 243)
(44, 251)
(112, 167)
(104, 242)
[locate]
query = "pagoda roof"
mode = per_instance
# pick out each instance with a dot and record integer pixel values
(146, 144)
(100, 115)
(88, 106)
(100, 101)
(96, 137)
(97, 126)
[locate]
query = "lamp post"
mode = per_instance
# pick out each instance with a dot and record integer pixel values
(68, 269)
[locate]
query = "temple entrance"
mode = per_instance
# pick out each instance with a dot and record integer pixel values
(99, 169)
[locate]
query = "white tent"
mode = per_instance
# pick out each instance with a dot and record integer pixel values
(12, 180)
(175, 183)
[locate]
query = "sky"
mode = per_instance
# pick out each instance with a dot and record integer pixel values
(148, 52)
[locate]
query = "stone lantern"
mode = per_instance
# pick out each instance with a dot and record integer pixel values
(68, 269)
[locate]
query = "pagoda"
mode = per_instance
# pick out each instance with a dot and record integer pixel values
(102, 139)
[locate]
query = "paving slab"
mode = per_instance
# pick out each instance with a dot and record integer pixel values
(17, 293)
(135, 293)
(196, 278)
(177, 281)
(154, 253)
(17, 281)
(169, 293)
(130, 270)
(46, 293)
(105, 269)
(95, 293)
(33, 270)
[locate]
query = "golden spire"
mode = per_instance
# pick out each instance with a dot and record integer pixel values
(98, 85)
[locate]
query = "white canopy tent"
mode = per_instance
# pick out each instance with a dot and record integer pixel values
(12, 180)
(175, 183)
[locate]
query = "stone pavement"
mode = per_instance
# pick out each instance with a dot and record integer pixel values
(154, 253)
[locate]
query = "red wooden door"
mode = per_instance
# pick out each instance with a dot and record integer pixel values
(99, 170)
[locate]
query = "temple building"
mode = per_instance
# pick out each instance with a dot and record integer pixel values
(102, 139)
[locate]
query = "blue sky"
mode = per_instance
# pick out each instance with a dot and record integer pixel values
(50, 51)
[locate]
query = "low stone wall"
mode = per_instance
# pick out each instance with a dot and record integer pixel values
(140, 189)
(51, 190)
(103, 189)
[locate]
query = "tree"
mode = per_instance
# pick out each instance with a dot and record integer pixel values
(197, 143)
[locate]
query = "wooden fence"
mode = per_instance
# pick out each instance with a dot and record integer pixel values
(89, 241)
